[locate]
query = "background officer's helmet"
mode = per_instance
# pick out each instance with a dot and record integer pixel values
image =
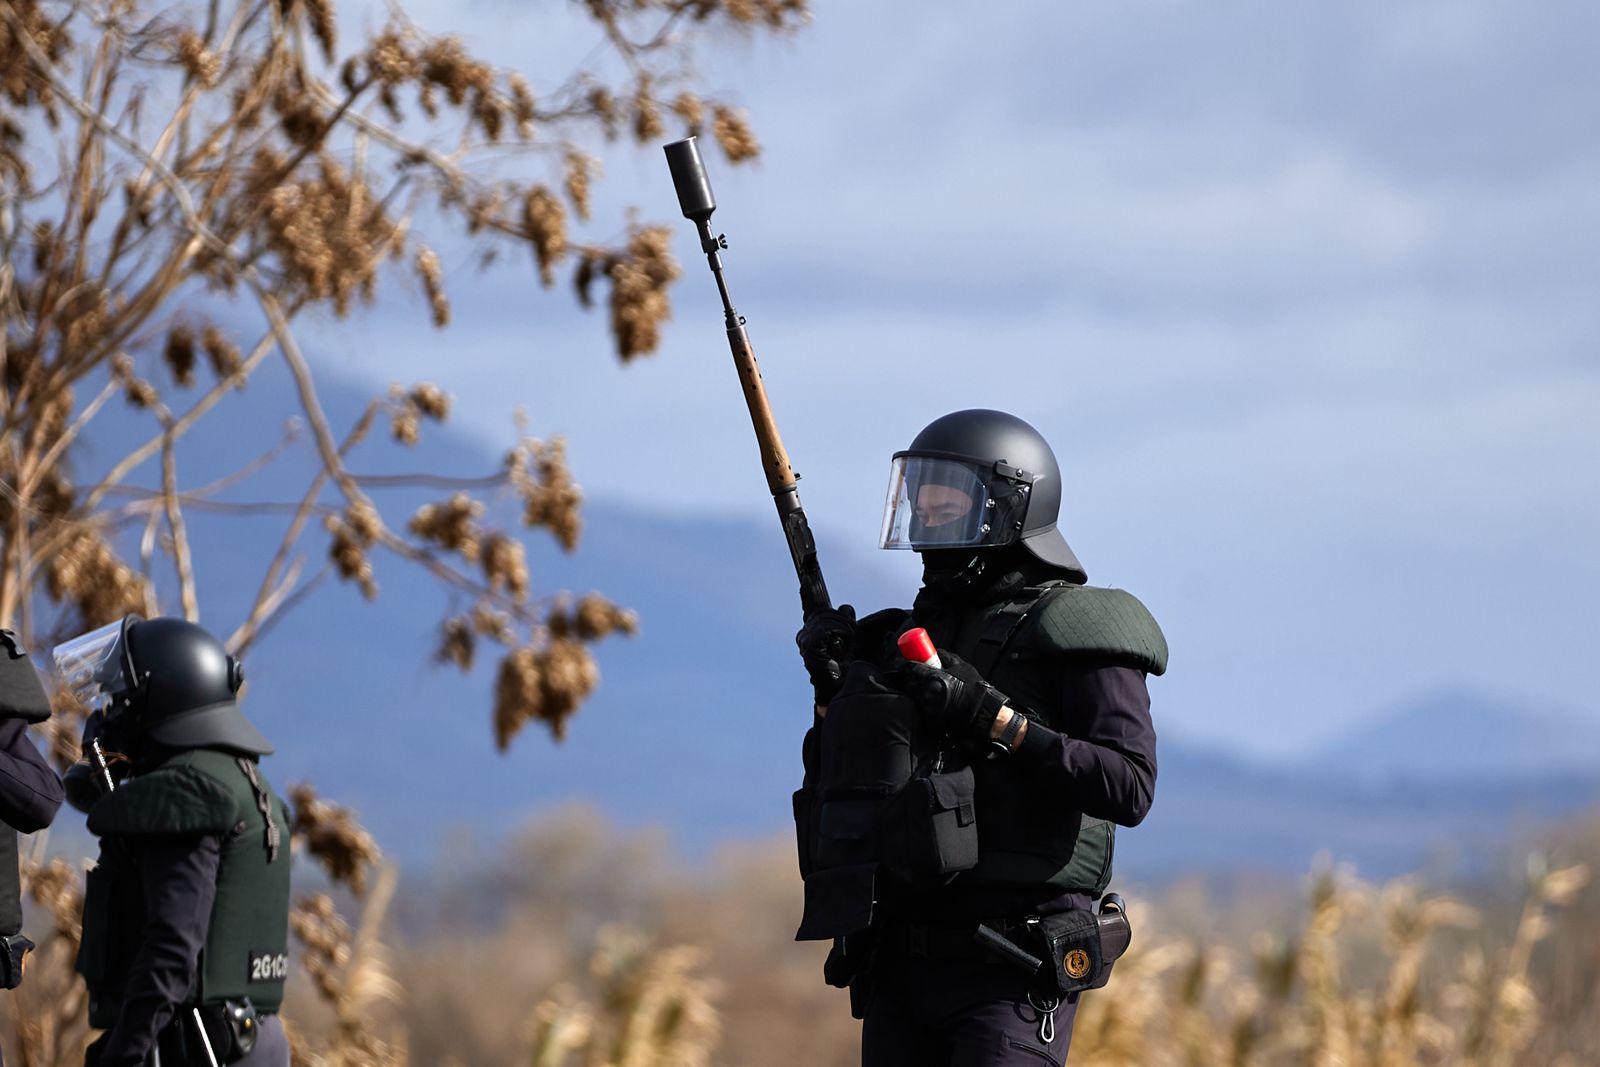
(165, 679)
(978, 479)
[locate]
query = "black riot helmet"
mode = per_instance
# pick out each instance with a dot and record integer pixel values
(978, 479)
(163, 679)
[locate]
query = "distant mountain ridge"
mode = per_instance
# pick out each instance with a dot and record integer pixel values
(1455, 733)
(698, 720)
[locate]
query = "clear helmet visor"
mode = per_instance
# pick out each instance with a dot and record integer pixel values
(949, 503)
(91, 665)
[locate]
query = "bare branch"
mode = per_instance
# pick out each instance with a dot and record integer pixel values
(175, 526)
(264, 605)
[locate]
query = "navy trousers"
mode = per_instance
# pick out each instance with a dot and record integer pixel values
(932, 1013)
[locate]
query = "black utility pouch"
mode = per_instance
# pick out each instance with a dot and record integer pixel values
(13, 956)
(929, 831)
(1073, 961)
(804, 829)
(1081, 946)
(94, 947)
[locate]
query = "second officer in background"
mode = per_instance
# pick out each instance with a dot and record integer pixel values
(185, 932)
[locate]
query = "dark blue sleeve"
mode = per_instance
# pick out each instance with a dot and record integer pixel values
(179, 876)
(30, 789)
(1103, 748)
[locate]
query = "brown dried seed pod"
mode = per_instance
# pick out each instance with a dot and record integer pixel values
(518, 694)
(350, 74)
(489, 114)
(390, 59)
(457, 643)
(364, 521)
(141, 394)
(491, 622)
(733, 133)
(544, 220)
(450, 524)
(604, 106)
(647, 125)
(689, 108)
(579, 172)
(639, 302)
(221, 352)
(505, 564)
(323, 27)
(180, 355)
(433, 282)
(539, 472)
(199, 62)
(583, 277)
(431, 401)
(522, 105)
(595, 617)
(88, 574)
(330, 835)
(570, 675)
(445, 63)
(348, 548)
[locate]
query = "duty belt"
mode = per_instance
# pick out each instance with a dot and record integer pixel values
(1002, 940)
(944, 942)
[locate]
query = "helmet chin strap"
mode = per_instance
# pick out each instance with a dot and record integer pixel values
(952, 571)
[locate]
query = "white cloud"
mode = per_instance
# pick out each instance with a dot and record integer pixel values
(1303, 295)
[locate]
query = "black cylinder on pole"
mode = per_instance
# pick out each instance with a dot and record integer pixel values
(689, 178)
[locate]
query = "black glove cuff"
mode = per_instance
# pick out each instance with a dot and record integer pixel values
(988, 709)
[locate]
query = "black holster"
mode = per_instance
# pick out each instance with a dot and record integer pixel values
(13, 954)
(231, 1027)
(849, 966)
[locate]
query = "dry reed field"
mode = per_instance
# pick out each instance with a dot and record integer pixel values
(577, 946)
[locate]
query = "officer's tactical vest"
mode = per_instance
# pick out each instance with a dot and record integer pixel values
(1014, 645)
(861, 757)
(247, 944)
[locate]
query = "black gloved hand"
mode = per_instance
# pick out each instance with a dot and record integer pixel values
(824, 643)
(955, 698)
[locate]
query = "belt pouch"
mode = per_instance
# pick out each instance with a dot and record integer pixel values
(929, 832)
(1074, 958)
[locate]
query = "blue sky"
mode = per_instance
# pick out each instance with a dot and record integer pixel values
(1304, 296)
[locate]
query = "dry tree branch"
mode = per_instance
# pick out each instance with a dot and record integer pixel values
(143, 452)
(175, 525)
(147, 548)
(262, 607)
(291, 434)
(69, 435)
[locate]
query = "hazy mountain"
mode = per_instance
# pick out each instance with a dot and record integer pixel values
(698, 720)
(1456, 733)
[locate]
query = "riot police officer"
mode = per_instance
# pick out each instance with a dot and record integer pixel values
(957, 817)
(30, 793)
(185, 932)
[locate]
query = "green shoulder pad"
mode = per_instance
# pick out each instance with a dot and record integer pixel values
(1085, 619)
(169, 800)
